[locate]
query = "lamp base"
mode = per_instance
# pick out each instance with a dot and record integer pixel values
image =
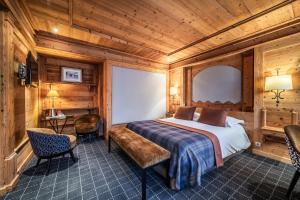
(52, 112)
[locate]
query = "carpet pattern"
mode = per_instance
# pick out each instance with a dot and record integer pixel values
(99, 175)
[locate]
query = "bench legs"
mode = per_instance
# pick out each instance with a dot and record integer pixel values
(144, 183)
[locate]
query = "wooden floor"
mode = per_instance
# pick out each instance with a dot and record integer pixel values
(276, 151)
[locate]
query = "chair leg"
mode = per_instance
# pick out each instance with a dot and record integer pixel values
(48, 168)
(38, 162)
(293, 183)
(72, 155)
(144, 184)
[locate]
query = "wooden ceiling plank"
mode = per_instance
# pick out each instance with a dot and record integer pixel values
(235, 25)
(296, 8)
(115, 23)
(244, 44)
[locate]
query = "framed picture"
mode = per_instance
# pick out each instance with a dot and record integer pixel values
(71, 75)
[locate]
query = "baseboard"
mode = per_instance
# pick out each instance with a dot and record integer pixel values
(10, 186)
(24, 163)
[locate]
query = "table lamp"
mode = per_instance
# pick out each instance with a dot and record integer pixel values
(52, 94)
(278, 84)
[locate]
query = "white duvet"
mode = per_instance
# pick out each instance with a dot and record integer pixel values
(232, 139)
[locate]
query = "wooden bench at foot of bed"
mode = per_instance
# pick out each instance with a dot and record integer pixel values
(145, 153)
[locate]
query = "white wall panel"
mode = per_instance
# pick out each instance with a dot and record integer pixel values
(137, 95)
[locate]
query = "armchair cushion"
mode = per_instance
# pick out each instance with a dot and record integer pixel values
(87, 124)
(72, 139)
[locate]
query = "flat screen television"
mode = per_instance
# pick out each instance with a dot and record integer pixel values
(31, 69)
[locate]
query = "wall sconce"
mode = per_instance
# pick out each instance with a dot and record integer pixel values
(52, 94)
(173, 91)
(278, 84)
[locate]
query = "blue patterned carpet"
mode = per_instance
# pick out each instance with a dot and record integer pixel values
(99, 175)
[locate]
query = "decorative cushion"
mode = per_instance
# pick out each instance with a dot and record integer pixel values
(185, 113)
(144, 152)
(213, 117)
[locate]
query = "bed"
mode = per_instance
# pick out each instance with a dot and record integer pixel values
(192, 154)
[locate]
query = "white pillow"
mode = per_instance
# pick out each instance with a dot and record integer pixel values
(196, 116)
(231, 121)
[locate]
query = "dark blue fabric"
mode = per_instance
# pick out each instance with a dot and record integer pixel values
(48, 144)
(192, 154)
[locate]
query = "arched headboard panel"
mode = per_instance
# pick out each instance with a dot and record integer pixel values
(217, 84)
(222, 83)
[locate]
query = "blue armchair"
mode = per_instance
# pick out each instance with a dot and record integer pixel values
(46, 144)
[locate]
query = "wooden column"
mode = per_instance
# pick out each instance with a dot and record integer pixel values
(107, 73)
(7, 138)
(189, 81)
(258, 91)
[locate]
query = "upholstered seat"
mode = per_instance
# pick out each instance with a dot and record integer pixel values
(144, 152)
(46, 144)
(87, 124)
(292, 136)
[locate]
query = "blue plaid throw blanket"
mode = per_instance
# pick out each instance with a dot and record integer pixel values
(192, 154)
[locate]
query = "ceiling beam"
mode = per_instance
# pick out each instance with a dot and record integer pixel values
(243, 44)
(282, 4)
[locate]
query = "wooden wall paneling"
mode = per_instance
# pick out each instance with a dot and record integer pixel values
(100, 89)
(258, 91)
(176, 80)
(107, 97)
(75, 99)
(7, 154)
(189, 86)
(167, 91)
(248, 81)
(286, 58)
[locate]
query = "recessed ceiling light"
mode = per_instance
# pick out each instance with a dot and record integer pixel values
(55, 30)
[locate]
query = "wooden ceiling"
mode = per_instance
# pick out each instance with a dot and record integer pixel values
(165, 31)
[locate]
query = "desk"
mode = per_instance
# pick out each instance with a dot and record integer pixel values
(54, 122)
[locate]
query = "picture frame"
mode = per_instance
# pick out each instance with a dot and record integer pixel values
(71, 75)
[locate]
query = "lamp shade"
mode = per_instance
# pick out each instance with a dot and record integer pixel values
(52, 93)
(173, 91)
(283, 82)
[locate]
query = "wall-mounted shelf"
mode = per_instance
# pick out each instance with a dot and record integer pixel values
(272, 131)
(82, 108)
(71, 83)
